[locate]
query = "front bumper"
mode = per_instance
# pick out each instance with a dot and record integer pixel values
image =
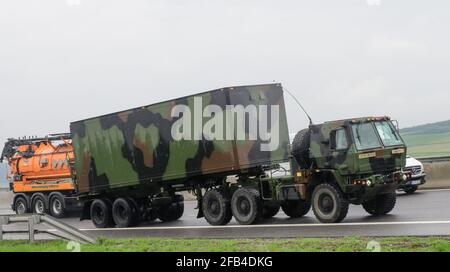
(414, 181)
(375, 185)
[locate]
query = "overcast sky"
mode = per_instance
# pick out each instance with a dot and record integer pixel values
(65, 60)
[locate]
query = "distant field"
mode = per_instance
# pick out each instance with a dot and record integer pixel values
(429, 140)
(428, 145)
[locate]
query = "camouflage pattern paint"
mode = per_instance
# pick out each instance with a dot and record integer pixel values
(136, 148)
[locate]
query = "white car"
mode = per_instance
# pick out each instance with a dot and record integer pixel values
(415, 175)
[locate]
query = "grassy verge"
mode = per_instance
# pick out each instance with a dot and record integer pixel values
(352, 244)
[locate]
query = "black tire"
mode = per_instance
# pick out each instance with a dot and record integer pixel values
(57, 206)
(329, 203)
(101, 213)
(139, 214)
(411, 189)
(381, 204)
(172, 211)
(296, 208)
(300, 148)
(271, 210)
(246, 206)
(21, 205)
(39, 203)
(124, 213)
(216, 207)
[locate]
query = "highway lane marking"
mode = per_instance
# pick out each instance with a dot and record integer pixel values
(432, 190)
(275, 226)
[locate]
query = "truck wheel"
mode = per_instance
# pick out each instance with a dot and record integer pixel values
(123, 213)
(172, 211)
(270, 211)
(21, 205)
(246, 206)
(300, 148)
(216, 207)
(329, 204)
(101, 213)
(381, 204)
(411, 189)
(39, 203)
(139, 214)
(57, 206)
(296, 208)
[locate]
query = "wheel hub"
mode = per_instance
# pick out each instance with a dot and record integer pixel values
(326, 203)
(243, 206)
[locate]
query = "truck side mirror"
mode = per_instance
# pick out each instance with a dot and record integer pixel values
(396, 125)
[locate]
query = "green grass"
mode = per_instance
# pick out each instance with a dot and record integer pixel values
(347, 244)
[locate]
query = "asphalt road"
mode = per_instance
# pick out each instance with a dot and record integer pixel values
(424, 213)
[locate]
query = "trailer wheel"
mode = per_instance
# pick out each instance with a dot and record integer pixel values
(296, 208)
(216, 207)
(57, 206)
(21, 205)
(246, 206)
(329, 204)
(172, 211)
(39, 203)
(270, 211)
(101, 213)
(381, 204)
(124, 213)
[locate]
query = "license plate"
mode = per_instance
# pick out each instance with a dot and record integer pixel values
(415, 182)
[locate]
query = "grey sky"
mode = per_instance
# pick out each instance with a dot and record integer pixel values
(64, 60)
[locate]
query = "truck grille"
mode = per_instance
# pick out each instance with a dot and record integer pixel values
(416, 170)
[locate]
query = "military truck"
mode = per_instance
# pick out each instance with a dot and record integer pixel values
(225, 146)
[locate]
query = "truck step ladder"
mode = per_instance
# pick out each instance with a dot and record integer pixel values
(61, 230)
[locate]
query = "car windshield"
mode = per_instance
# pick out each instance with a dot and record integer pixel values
(365, 136)
(388, 134)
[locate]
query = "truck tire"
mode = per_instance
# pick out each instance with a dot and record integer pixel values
(172, 211)
(329, 203)
(246, 206)
(381, 204)
(296, 208)
(39, 203)
(411, 189)
(124, 213)
(101, 213)
(139, 214)
(216, 207)
(300, 148)
(21, 205)
(270, 211)
(57, 206)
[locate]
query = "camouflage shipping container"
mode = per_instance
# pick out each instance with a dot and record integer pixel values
(181, 140)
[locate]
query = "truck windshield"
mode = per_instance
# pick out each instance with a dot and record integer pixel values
(388, 134)
(365, 136)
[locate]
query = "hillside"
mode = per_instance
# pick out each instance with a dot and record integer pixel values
(428, 140)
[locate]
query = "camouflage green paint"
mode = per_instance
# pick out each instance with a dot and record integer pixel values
(135, 147)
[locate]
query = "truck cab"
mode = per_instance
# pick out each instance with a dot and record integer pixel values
(353, 161)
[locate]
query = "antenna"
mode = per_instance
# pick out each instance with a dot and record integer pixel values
(298, 103)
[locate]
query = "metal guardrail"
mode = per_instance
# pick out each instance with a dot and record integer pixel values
(434, 159)
(68, 232)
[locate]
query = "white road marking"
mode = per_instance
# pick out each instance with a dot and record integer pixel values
(432, 190)
(276, 226)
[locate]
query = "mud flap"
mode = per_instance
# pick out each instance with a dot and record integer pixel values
(86, 212)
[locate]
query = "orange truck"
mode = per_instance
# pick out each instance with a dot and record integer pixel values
(40, 174)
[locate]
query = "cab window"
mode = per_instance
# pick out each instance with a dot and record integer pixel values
(341, 140)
